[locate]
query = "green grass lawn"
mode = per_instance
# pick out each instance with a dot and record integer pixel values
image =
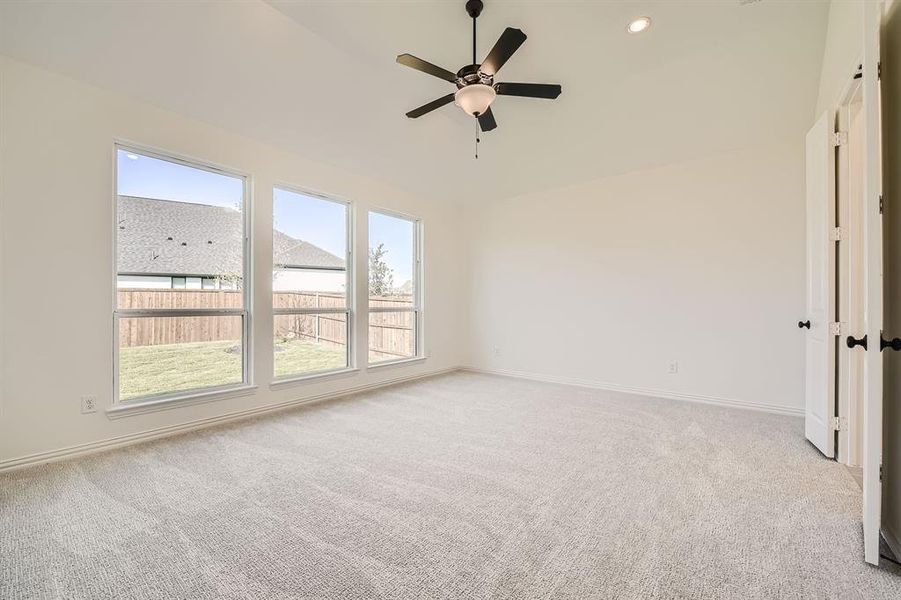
(298, 357)
(154, 370)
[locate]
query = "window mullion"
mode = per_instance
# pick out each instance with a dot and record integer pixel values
(180, 312)
(391, 309)
(310, 311)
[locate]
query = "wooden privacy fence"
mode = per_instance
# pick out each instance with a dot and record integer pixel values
(390, 334)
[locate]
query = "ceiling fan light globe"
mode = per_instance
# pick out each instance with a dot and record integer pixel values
(475, 99)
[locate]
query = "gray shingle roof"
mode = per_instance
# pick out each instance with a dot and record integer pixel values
(165, 237)
(291, 252)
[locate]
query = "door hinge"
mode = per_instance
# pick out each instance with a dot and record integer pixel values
(879, 70)
(880, 473)
(835, 234)
(881, 204)
(835, 328)
(836, 424)
(840, 138)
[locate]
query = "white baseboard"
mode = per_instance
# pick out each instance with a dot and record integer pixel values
(152, 434)
(892, 540)
(612, 387)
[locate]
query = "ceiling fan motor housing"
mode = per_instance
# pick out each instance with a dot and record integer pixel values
(471, 74)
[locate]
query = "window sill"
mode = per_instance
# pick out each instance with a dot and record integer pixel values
(128, 409)
(396, 363)
(326, 375)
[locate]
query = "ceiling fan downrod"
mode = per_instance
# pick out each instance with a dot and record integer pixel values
(474, 9)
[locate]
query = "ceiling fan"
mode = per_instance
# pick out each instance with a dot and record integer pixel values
(476, 88)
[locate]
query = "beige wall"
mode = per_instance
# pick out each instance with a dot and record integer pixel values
(56, 194)
(605, 283)
(842, 53)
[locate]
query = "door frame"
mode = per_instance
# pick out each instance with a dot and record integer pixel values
(872, 186)
(850, 273)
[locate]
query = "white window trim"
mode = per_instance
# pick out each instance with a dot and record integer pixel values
(145, 405)
(349, 290)
(396, 362)
(288, 381)
(152, 403)
(419, 353)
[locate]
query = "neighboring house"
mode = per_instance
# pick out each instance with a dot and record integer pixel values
(165, 244)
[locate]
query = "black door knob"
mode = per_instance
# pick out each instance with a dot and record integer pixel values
(803, 324)
(855, 342)
(894, 344)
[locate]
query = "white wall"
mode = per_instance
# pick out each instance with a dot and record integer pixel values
(57, 213)
(605, 283)
(842, 52)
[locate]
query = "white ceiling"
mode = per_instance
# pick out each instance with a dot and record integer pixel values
(319, 79)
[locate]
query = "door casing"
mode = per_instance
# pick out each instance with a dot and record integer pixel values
(851, 263)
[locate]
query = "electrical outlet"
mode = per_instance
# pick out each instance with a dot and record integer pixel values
(673, 367)
(88, 404)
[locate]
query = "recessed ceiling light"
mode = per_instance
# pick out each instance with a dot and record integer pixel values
(638, 25)
(132, 156)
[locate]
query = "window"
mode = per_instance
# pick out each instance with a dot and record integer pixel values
(310, 284)
(394, 305)
(180, 227)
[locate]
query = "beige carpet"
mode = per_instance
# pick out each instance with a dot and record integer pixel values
(463, 486)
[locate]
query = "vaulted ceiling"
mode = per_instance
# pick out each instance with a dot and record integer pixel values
(319, 79)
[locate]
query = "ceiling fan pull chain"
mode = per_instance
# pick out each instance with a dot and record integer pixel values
(477, 139)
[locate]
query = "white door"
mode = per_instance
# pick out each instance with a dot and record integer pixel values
(820, 343)
(872, 401)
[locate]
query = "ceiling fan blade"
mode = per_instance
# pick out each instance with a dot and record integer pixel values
(506, 45)
(486, 120)
(529, 90)
(427, 108)
(408, 60)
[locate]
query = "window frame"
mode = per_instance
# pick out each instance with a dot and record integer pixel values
(417, 308)
(349, 288)
(245, 312)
